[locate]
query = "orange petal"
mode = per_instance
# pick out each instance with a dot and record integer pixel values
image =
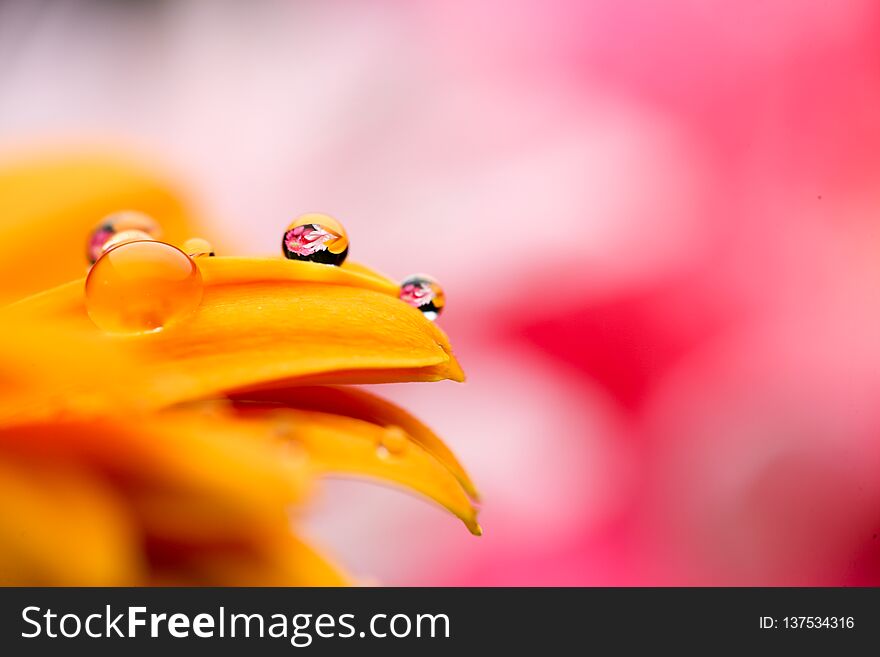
(357, 267)
(59, 527)
(287, 562)
(50, 205)
(361, 405)
(207, 495)
(50, 374)
(215, 479)
(344, 445)
(189, 478)
(239, 270)
(302, 565)
(265, 322)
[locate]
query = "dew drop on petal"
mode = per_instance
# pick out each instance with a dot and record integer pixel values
(315, 238)
(117, 223)
(423, 292)
(394, 440)
(198, 247)
(142, 287)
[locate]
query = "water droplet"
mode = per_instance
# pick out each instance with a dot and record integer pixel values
(394, 440)
(316, 238)
(423, 292)
(119, 222)
(382, 452)
(198, 247)
(141, 287)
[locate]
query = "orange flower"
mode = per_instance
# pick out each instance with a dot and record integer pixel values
(179, 457)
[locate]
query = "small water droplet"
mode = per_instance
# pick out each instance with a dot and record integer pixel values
(198, 247)
(424, 293)
(142, 287)
(394, 440)
(315, 238)
(382, 452)
(120, 222)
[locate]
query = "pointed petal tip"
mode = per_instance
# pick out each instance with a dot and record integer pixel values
(452, 370)
(456, 374)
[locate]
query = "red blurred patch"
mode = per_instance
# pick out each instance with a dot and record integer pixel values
(626, 343)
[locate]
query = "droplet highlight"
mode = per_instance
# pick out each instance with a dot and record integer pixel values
(124, 237)
(315, 238)
(142, 287)
(424, 293)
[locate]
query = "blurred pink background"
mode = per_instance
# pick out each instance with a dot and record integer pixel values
(657, 223)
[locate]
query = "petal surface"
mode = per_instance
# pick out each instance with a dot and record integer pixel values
(268, 322)
(185, 498)
(361, 405)
(341, 445)
(52, 516)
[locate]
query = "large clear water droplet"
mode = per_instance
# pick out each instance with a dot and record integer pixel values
(142, 287)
